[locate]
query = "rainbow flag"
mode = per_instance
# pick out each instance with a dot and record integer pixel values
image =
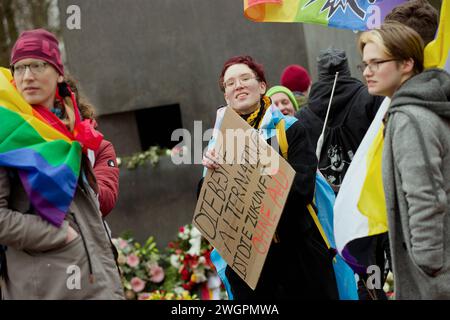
(344, 14)
(48, 163)
(360, 207)
(437, 52)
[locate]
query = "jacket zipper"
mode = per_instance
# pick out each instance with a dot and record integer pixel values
(113, 248)
(86, 193)
(91, 273)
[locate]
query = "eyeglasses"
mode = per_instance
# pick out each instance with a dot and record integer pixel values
(244, 79)
(35, 68)
(374, 65)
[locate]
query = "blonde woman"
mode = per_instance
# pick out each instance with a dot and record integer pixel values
(416, 159)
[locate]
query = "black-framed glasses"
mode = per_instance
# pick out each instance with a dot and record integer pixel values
(37, 67)
(373, 65)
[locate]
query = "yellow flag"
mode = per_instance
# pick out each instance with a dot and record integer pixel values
(372, 203)
(437, 51)
(9, 97)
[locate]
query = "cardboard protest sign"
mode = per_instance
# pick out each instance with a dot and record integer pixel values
(241, 202)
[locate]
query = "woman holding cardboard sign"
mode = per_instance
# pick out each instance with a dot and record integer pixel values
(298, 264)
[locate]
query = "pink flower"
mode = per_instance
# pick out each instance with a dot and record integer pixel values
(137, 284)
(181, 229)
(123, 244)
(133, 260)
(156, 274)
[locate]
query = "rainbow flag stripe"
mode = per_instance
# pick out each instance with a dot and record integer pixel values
(48, 163)
(344, 14)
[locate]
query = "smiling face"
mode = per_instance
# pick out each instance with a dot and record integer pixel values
(37, 88)
(243, 96)
(385, 77)
(282, 101)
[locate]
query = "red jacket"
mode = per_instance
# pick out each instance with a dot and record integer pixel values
(107, 175)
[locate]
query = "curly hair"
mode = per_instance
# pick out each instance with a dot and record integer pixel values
(87, 110)
(419, 15)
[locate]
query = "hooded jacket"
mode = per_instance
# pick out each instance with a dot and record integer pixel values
(351, 113)
(416, 179)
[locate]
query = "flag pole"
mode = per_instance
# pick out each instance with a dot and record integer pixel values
(320, 141)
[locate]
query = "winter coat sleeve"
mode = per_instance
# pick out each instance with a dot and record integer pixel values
(107, 175)
(295, 219)
(426, 202)
(302, 158)
(372, 105)
(26, 231)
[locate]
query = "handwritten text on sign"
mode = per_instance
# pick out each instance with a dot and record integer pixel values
(239, 205)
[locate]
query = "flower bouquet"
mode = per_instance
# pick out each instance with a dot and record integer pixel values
(139, 265)
(190, 267)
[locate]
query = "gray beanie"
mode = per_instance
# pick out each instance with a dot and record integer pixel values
(331, 61)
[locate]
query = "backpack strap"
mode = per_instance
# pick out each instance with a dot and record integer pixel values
(313, 214)
(281, 137)
(284, 147)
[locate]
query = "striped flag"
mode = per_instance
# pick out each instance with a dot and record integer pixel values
(359, 210)
(47, 161)
(344, 14)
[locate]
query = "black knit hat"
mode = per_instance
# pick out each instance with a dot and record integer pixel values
(331, 61)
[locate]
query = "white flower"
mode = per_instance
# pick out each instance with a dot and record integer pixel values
(183, 235)
(174, 261)
(202, 260)
(195, 233)
(195, 246)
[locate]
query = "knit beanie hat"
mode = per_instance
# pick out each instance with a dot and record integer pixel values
(38, 44)
(277, 89)
(295, 78)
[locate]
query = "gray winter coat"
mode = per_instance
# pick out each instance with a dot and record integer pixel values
(40, 265)
(416, 178)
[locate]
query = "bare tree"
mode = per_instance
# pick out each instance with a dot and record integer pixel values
(19, 15)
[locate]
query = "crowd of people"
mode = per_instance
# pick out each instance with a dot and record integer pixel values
(322, 136)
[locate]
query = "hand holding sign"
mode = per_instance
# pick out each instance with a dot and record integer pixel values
(240, 204)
